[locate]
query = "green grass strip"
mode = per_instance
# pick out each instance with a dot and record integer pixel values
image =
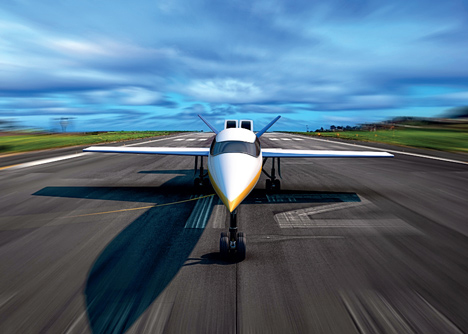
(436, 139)
(27, 142)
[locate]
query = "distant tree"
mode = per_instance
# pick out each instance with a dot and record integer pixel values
(7, 124)
(459, 112)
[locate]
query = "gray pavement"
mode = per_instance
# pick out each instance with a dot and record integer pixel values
(107, 243)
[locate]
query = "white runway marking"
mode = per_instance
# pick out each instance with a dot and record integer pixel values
(283, 138)
(395, 151)
(201, 213)
(71, 156)
(46, 161)
(303, 218)
(190, 139)
(155, 140)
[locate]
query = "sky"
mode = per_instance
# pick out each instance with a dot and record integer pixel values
(155, 65)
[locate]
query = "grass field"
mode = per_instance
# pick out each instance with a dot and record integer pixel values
(14, 143)
(437, 139)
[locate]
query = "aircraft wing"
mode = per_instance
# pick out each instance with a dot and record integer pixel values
(187, 151)
(280, 153)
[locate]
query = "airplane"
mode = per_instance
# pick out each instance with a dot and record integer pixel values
(235, 163)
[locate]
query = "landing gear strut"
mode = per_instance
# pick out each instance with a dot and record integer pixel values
(201, 180)
(233, 243)
(272, 183)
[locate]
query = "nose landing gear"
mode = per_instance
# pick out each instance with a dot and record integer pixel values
(233, 243)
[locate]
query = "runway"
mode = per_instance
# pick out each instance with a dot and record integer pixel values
(109, 243)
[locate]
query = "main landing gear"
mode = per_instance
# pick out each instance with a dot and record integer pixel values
(233, 243)
(201, 180)
(272, 183)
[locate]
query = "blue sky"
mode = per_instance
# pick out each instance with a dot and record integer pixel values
(152, 65)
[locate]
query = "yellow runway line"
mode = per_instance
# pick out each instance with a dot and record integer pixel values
(9, 166)
(140, 208)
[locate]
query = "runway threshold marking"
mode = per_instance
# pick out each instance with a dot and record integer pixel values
(140, 208)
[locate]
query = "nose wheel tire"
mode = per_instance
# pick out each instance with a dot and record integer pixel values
(225, 249)
(224, 245)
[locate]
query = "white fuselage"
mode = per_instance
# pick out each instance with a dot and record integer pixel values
(234, 165)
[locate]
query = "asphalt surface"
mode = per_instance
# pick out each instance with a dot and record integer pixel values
(108, 243)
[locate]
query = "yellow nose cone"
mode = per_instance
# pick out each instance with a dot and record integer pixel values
(231, 205)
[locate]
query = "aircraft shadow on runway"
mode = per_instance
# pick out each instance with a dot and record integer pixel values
(162, 193)
(147, 194)
(141, 261)
(187, 172)
(137, 266)
(150, 194)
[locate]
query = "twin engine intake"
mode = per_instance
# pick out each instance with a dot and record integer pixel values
(234, 123)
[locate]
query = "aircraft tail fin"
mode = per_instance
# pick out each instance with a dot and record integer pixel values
(208, 124)
(262, 131)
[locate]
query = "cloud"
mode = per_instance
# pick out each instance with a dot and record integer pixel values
(362, 102)
(225, 91)
(70, 111)
(129, 95)
(232, 58)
